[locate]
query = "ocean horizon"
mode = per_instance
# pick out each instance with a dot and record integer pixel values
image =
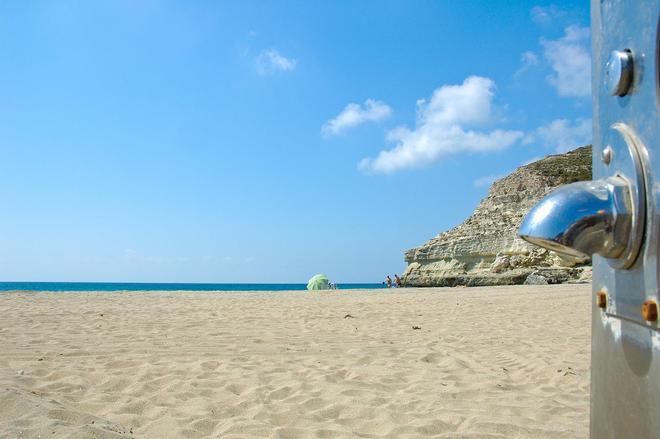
(165, 286)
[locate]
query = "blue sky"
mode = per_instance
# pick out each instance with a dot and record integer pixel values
(248, 141)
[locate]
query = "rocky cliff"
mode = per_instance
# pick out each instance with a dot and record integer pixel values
(485, 248)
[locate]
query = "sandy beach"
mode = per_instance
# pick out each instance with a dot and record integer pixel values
(496, 362)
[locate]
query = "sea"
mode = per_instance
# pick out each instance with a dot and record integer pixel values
(139, 286)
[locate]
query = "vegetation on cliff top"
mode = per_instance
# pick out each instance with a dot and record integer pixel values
(569, 167)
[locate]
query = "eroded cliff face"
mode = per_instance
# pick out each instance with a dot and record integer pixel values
(485, 248)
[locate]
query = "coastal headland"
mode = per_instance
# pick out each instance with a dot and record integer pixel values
(485, 249)
(495, 362)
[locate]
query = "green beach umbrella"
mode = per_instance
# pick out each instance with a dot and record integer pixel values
(319, 282)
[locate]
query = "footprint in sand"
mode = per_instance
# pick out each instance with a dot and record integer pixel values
(236, 389)
(280, 393)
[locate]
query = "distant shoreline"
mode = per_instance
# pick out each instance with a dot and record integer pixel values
(164, 286)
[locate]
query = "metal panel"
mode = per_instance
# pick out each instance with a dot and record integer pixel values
(625, 360)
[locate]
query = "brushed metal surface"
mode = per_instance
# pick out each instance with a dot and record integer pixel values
(625, 357)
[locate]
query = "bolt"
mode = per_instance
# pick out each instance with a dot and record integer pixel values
(601, 299)
(607, 155)
(619, 72)
(650, 311)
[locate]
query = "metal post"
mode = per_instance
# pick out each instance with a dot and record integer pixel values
(625, 353)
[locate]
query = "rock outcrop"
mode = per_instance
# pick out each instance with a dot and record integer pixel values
(485, 248)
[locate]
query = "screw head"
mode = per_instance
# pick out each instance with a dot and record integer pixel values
(619, 72)
(608, 152)
(601, 299)
(650, 311)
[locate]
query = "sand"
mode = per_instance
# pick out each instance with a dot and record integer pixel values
(499, 362)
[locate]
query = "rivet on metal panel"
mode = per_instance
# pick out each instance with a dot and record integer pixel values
(650, 311)
(607, 154)
(619, 72)
(601, 299)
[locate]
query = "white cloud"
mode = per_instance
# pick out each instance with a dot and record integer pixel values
(444, 127)
(353, 115)
(545, 15)
(570, 60)
(562, 134)
(527, 60)
(271, 61)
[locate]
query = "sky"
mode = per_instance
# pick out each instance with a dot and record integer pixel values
(245, 141)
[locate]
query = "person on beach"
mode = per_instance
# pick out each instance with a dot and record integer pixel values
(397, 281)
(388, 281)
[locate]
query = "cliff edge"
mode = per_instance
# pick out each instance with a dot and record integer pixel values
(485, 248)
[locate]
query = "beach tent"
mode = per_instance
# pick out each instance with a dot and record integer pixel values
(319, 282)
